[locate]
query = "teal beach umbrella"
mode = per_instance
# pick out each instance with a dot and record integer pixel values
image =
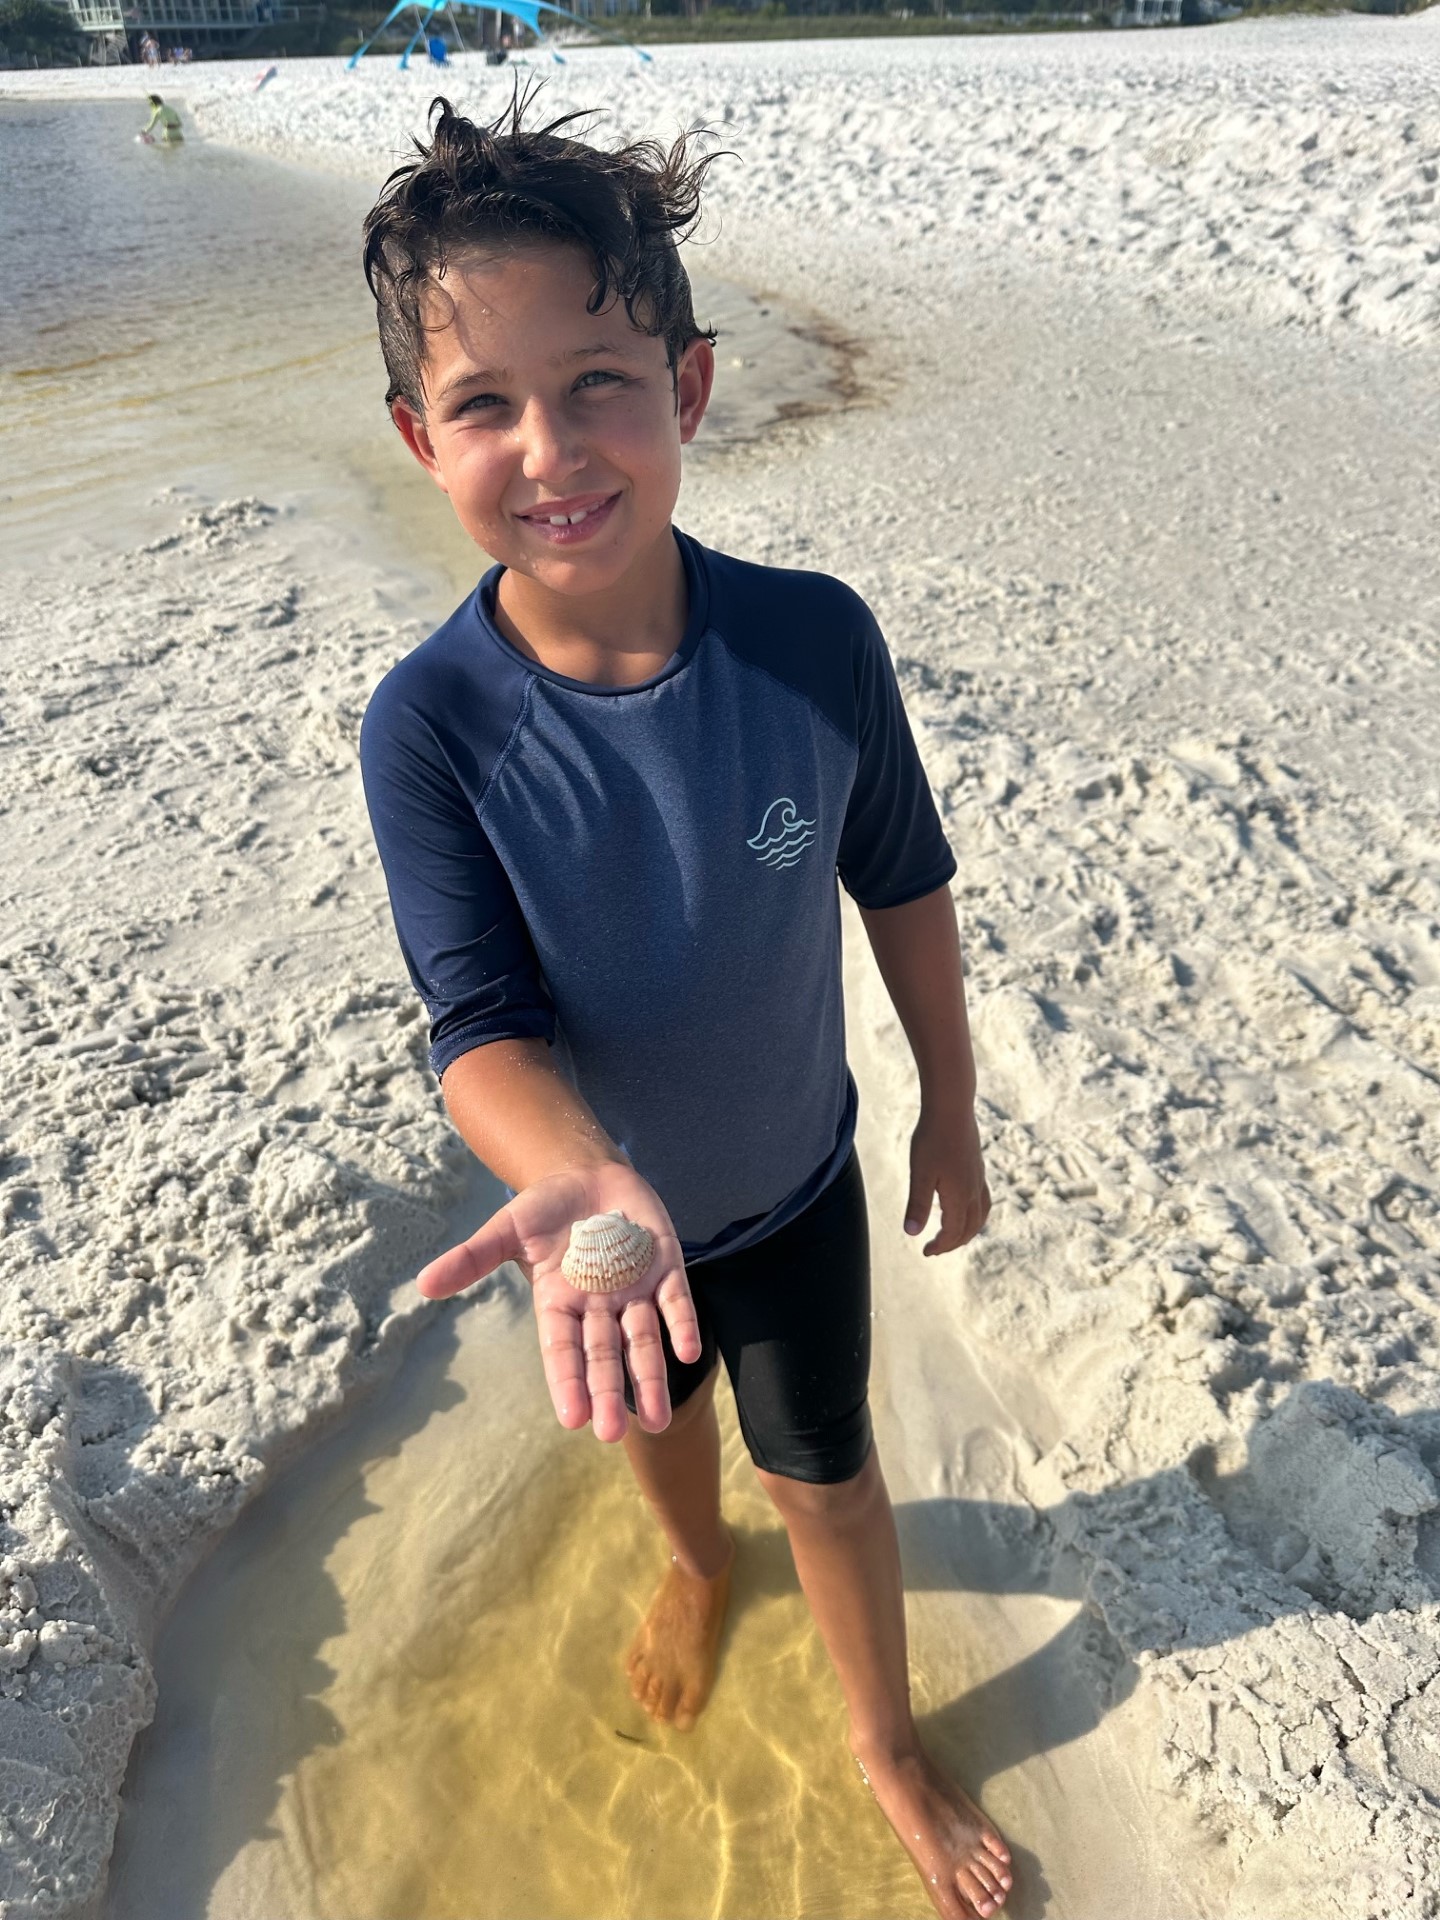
(527, 12)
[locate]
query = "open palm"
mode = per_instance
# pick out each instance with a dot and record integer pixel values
(587, 1340)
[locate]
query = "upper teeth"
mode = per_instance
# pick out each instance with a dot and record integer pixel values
(569, 519)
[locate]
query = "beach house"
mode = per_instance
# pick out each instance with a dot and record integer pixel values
(211, 27)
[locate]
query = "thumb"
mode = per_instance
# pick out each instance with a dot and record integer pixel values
(497, 1241)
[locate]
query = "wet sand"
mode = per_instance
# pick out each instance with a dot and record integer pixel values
(224, 344)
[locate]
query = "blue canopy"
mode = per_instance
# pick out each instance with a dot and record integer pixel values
(527, 12)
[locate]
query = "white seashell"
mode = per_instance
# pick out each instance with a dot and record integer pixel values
(606, 1252)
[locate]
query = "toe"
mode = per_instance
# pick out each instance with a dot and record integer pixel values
(686, 1712)
(947, 1901)
(980, 1899)
(985, 1870)
(993, 1844)
(669, 1700)
(988, 1879)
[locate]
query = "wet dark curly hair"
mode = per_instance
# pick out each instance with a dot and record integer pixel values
(507, 184)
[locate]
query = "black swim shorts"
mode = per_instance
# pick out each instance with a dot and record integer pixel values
(790, 1316)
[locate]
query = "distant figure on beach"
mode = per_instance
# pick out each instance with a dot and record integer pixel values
(149, 50)
(163, 128)
(612, 794)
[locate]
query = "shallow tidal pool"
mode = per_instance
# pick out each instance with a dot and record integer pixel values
(396, 1691)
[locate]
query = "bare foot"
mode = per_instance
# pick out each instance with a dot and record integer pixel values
(671, 1662)
(961, 1858)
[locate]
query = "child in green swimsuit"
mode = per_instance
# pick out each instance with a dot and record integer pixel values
(166, 122)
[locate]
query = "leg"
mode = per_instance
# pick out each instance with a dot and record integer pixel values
(679, 1474)
(671, 1662)
(842, 1535)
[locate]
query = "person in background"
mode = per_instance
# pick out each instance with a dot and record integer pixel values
(163, 128)
(150, 50)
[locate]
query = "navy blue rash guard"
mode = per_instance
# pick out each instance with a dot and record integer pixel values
(645, 876)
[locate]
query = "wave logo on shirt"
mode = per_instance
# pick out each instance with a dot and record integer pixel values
(783, 835)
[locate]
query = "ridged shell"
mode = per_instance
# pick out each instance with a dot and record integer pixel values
(606, 1252)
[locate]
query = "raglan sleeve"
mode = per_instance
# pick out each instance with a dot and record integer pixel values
(462, 935)
(892, 846)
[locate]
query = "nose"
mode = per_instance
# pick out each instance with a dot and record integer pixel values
(553, 447)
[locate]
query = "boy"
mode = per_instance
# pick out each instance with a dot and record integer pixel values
(611, 795)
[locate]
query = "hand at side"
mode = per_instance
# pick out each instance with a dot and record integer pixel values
(946, 1159)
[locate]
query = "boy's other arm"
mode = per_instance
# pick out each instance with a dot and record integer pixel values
(520, 1116)
(917, 949)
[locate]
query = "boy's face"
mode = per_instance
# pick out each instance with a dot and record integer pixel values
(534, 407)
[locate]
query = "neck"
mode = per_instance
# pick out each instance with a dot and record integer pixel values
(625, 633)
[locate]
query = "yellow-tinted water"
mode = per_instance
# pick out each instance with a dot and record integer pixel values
(398, 1695)
(501, 1737)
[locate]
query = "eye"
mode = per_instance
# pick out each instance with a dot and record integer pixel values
(476, 399)
(599, 373)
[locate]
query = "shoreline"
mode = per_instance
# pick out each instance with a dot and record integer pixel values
(1108, 566)
(1109, 155)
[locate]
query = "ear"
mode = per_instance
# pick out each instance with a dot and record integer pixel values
(694, 377)
(416, 436)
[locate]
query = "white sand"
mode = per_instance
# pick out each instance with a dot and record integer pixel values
(1141, 484)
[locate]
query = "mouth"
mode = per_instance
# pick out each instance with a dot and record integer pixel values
(571, 527)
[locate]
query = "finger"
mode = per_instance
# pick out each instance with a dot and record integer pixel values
(485, 1250)
(959, 1224)
(563, 1357)
(954, 1219)
(645, 1358)
(962, 1224)
(672, 1297)
(604, 1374)
(917, 1207)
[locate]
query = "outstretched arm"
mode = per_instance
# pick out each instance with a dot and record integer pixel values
(917, 948)
(535, 1132)
(520, 1116)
